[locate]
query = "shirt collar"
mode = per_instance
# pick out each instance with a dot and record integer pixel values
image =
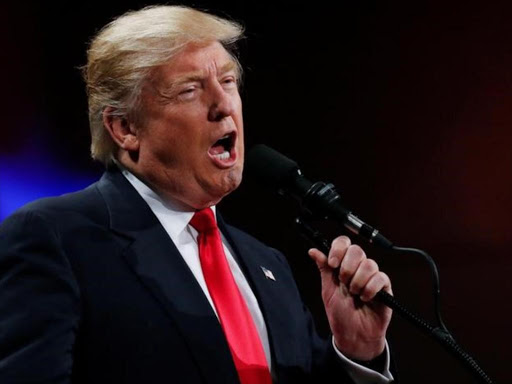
(174, 220)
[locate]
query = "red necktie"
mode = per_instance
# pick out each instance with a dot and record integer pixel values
(235, 318)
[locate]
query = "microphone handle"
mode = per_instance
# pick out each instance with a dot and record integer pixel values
(320, 242)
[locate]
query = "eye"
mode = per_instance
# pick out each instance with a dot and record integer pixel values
(229, 82)
(187, 93)
(187, 90)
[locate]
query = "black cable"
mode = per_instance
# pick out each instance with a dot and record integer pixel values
(443, 336)
(435, 280)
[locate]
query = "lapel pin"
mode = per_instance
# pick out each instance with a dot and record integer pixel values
(268, 273)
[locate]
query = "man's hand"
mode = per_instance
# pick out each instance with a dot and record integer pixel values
(349, 282)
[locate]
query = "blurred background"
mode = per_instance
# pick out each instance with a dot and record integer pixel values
(405, 107)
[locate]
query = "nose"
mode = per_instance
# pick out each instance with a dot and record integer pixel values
(222, 103)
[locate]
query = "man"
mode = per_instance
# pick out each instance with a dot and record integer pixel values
(129, 280)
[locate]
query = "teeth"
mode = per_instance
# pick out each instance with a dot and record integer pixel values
(222, 156)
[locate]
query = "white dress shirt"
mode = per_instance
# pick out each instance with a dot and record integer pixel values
(184, 236)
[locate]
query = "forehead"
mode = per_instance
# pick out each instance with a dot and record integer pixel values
(197, 60)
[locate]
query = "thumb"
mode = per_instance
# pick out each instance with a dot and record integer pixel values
(319, 258)
(327, 276)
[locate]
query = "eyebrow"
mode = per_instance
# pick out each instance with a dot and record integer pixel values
(199, 75)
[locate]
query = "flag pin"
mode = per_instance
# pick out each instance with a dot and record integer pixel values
(268, 273)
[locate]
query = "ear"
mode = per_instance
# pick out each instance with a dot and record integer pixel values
(121, 131)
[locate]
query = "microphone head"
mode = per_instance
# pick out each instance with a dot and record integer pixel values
(270, 167)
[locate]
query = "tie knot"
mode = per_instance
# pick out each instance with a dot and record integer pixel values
(203, 220)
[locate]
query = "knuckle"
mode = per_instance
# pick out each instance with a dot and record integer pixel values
(334, 258)
(385, 279)
(379, 281)
(357, 252)
(334, 253)
(370, 265)
(355, 288)
(344, 273)
(356, 284)
(341, 242)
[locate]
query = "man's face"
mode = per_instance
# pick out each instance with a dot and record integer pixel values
(191, 132)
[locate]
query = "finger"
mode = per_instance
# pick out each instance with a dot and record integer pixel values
(338, 250)
(318, 257)
(328, 278)
(353, 257)
(378, 282)
(367, 268)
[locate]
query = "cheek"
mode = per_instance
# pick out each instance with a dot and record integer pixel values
(239, 122)
(174, 136)
(163, 147)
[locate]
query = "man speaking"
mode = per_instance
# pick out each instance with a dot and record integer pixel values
(137, 279)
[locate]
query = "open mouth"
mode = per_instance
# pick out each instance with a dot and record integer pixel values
(223, 149)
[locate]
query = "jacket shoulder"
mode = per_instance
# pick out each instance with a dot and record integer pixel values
(86, 204)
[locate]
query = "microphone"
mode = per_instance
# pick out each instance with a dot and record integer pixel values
(275, 170)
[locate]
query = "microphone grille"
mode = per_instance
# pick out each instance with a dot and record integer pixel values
(270, 167)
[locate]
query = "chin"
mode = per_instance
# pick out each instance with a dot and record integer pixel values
(210, 191)
(224, 187)
(234, 179)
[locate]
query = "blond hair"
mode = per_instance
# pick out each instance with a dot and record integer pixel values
(123, 54)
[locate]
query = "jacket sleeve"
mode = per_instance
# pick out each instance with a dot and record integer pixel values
(39, 302)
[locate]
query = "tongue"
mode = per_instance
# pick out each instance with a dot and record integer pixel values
(216, 149)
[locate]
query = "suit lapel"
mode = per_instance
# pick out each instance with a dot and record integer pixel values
(267, 291)
(154, 258)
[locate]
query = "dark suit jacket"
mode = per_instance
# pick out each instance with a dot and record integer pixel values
(92, 290)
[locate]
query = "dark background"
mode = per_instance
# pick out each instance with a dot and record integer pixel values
(405, 107)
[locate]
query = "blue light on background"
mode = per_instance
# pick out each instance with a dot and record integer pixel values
(30, 174)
